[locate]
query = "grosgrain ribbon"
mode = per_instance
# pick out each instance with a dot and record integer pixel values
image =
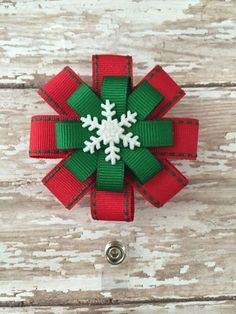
(72, 135)
(143, 168)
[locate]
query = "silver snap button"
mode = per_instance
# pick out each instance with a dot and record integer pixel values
(115, 252)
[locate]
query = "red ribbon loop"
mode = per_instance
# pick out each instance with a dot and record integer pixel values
(68, 185)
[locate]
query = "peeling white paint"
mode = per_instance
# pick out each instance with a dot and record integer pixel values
(178, 26)
(209, 307)
(212, 92)
(226, 29)
(54, 220)
(210, 264)
(231, 147)
(208, 161)
(93, 234)
(230, 136)
(153, 282)
(21, 289)
(184, 269)
(175, 216)
(4, 198)
(82, 283)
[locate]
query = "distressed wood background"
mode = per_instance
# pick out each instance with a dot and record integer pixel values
(181, 258)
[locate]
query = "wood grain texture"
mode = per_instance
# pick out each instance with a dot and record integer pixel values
(223, 307)
(194, 40)
(184, 250)
(181, 258)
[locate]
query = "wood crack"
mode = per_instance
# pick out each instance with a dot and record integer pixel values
(190, 85)
(120, 302)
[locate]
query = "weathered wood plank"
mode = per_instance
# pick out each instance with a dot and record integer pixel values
(194, 40)
(225, 307)
(186, 249)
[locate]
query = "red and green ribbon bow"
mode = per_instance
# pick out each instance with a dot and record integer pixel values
(144, 167)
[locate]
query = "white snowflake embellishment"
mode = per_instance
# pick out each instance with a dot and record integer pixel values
(110, 132)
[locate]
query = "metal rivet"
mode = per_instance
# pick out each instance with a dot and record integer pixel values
(115, 252)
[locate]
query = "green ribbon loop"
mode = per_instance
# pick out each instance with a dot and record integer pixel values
(84, 101)
(71, 135)
(109, 177)
(154, 133)
(143, 100)
(116, 89)
(141, 162)
(151, 133)
(81, 164)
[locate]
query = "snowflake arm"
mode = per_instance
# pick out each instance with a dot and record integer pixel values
(130, 140)
(90, 123)
(95, 142)
(112, 153)
(108, 113)
(127, 119)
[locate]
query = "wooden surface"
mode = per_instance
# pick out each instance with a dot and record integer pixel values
(181, 258)
(220, 307)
